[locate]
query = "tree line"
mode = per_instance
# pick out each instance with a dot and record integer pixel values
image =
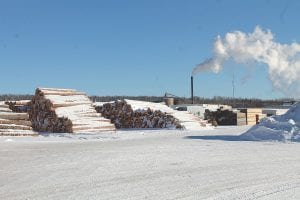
(234, 102)
(15, 97)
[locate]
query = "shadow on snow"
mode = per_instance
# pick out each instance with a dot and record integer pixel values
(217, 137)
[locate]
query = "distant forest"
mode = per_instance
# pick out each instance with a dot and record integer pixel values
(234, 102)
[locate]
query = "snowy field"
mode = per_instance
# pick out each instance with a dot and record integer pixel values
(168, 164)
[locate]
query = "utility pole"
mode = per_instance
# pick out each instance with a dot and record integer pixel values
(233, 85)
(192, 89)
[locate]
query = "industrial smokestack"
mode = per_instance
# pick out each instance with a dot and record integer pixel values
(192, 89)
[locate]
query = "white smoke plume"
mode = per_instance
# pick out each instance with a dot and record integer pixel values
(282, 60)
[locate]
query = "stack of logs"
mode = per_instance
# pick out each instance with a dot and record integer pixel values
(123, 116)
(65, 111)
(15, 123)
(225, 117)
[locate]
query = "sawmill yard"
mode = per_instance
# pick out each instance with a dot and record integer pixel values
(148, 164)
(61, 145)
(130, 100)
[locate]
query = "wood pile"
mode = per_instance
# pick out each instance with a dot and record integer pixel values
(253, 115)
(225, 117)
(65, 110)
(14, 124)
(124, 116)
(241, 119)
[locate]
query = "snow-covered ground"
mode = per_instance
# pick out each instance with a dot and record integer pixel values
(149, 164)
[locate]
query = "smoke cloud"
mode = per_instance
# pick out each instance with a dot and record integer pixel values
(282, 60)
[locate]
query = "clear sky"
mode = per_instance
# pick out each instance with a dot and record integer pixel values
(134, 47)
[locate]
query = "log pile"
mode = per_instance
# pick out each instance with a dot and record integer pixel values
(225, 117)
(65, 110)
(187, 120)
(14, 124)
(124, 116)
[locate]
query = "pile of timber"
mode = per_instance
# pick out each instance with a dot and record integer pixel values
(253, 115)
(14, 124)
(187, 120)
(241, 119)
(225, 117)
(123, 115)
(65, 111)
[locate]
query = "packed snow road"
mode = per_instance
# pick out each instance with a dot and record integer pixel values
(210, 164)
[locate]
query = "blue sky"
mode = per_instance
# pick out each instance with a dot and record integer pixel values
(134, 47)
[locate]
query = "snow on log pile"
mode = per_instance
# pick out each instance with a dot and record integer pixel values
(14, 124)
(141, 114)
(66, 111)
(284, 127)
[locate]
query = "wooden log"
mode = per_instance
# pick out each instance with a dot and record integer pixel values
(11, 132)
(14, 116)
(17, 122)
(14, 126)
(61, 93)
(68, 104)
(4, 106)
(98, 130)
(80, 128)
(94, 119)
(56, 89)
(5, 110)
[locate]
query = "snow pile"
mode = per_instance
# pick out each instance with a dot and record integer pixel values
(284, 127)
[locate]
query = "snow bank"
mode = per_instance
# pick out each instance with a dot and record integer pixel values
(284, 127)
